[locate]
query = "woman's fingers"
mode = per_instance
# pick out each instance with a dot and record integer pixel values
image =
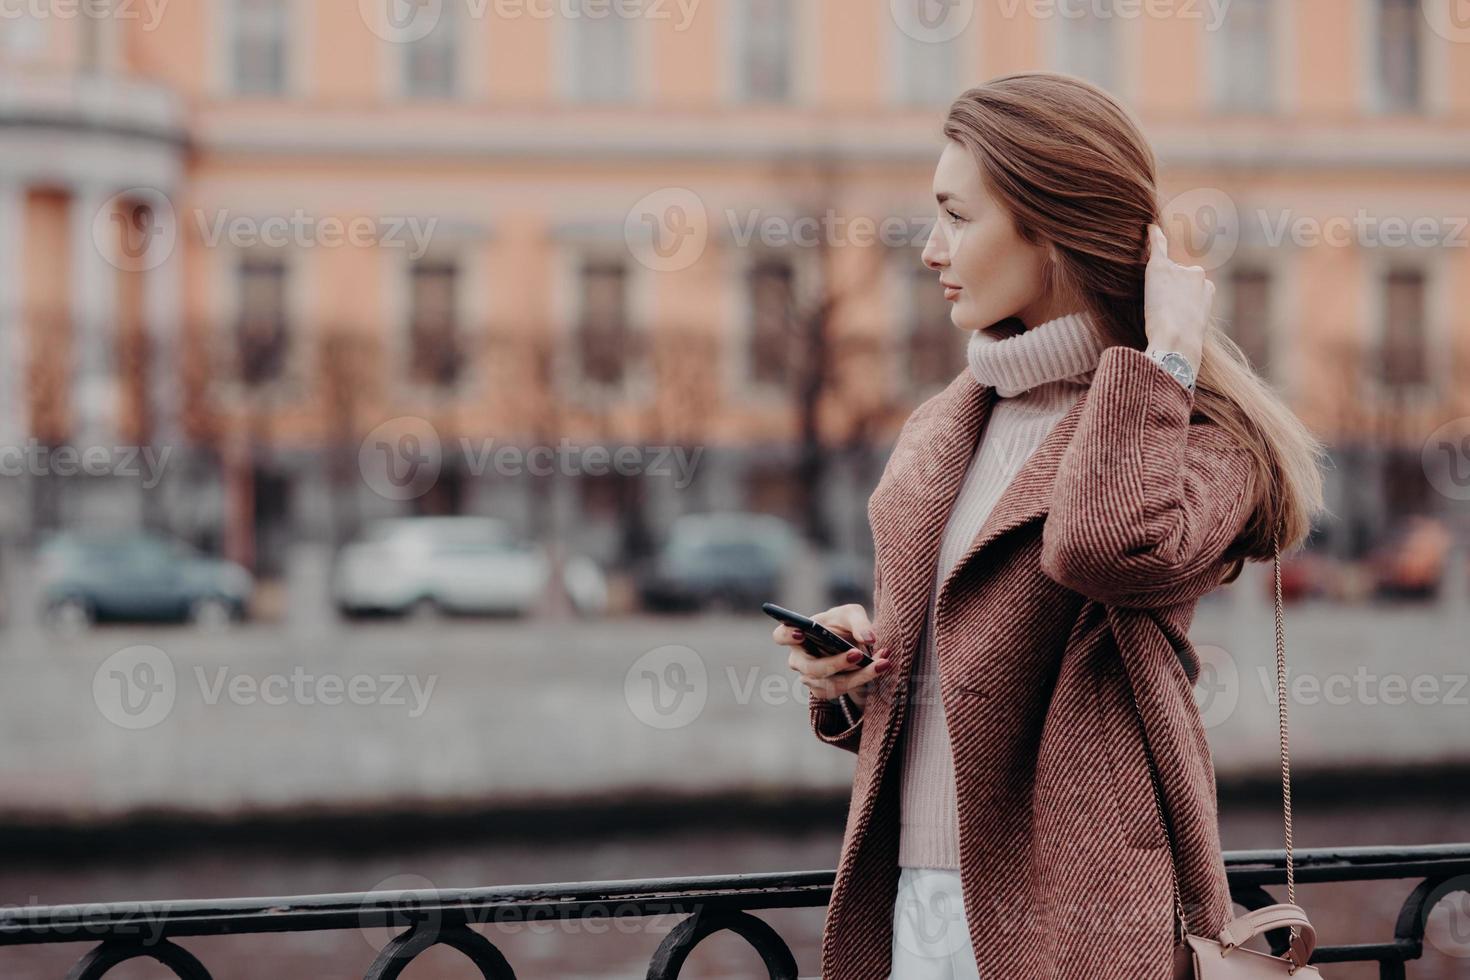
(1177, 300)
(787, 635)
(824, 666)
(828, 681)
(1158, 250)
(829, 675)
(850, 622)
(858, 624)
(868, 674)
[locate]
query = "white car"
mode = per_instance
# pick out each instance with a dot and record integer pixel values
(425, 565)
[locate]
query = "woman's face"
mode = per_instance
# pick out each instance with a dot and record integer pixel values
(986, 270)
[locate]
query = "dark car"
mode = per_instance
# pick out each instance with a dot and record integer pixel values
(137, 576)
(730, 560)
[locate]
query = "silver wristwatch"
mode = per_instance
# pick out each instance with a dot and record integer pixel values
(1177, 365)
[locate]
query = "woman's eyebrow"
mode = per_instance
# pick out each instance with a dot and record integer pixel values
(944, 196)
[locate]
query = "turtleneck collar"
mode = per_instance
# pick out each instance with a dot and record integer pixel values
(1063, 348)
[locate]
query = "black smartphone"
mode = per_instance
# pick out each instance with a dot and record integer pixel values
(818, 638)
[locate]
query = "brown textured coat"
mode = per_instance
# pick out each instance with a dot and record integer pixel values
(1082, 581)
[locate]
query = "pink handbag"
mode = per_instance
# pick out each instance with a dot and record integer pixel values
(1203, 958)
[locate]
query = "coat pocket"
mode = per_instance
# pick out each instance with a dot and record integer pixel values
(1130, 771)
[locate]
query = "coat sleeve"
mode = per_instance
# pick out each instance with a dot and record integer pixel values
(828, 721)
(1145, 505)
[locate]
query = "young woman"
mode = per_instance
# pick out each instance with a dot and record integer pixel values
(1042, 531)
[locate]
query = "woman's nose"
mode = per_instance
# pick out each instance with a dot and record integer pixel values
(934, 255)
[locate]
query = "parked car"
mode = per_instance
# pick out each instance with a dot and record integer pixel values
(1305, 575)
(735, 560)
(1410, 563)
(139, 576)
(426, 565)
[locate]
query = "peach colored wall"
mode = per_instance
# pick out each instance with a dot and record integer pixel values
(46, 259)
(1457, 272)
(519, 57)
(848, 53)
(1328, 71)
(1007, 43)
(1336, 316)
(178, 49)
(46, 277)
(1457, 77)
(349, 64)
(687, 68)
(1169, 82)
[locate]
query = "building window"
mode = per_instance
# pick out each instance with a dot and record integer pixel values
(1245, 65)
(262, 332)
(1248, 319)
(259, 47)
(770, 289)
(933, 347)
(765, 50)
(1403, 344)
(1399, 58)
(430, 63)
(601, 52)
(602, 329)
(1087, 42)
(433, 329)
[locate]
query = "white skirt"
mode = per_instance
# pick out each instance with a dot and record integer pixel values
(931, 940)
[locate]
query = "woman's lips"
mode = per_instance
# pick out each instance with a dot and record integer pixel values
(951, 292)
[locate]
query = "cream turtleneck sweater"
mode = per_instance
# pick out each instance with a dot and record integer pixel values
(1037, 374)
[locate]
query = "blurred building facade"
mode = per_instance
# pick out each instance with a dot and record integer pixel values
(263, 234)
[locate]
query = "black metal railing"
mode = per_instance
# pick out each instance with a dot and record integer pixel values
(712, 903)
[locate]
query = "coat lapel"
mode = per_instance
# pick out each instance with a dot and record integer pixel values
(908, 514)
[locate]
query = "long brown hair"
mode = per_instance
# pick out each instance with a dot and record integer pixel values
(1077, 174)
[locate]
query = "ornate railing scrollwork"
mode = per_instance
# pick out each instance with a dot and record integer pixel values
(669, 958)
(712, 903)
(400, 951)
(114, 951)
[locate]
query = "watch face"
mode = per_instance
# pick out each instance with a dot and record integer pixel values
(1178, 365)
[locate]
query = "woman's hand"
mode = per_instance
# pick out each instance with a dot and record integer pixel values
(837, 674)
(1176, 301)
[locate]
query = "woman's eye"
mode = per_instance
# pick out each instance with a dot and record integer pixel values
(952, 215)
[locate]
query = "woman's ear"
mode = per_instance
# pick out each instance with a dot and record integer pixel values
(1233, 571)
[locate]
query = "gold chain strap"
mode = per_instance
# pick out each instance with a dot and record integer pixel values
(1181, 926)
(1281, 720)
